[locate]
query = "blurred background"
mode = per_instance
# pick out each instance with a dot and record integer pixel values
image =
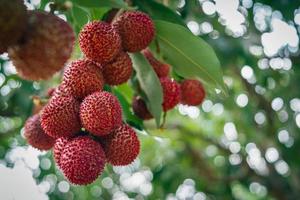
(245, 146)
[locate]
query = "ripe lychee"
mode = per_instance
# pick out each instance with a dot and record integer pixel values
(60, 91)
(140, 109)
(100, 113)
(192, 92)
(136, 29)
(58, 147)
(12, 22)
(161, 69)
(122, 146)
(35, 135)
(118, 71)
(171, 93)
(60, 117)
(100, 42)
(81, 78)
(82, 160)
(46, 46)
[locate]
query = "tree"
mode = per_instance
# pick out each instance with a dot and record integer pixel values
(241, 143)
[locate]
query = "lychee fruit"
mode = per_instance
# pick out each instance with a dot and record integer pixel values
(100, 42)
(35, 135)
(100, 113)
(140, 109)
(58, 147)
(13, 20)
(82, 160)
(60, 117)
(122, 146)
(60, 91)
(161, 69)
(136, 30)
(81, 78)
(51, 91)
(45, 47)
(192, 92)
(171, 93)
(118, 71)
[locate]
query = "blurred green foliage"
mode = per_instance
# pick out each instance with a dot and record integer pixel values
(227, 150)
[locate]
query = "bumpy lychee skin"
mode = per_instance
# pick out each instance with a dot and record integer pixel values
(192, 92)
(161, 69)
(12, 22)
(140, 109)
(35, 135)
(82, 160)
(136, 29)
(118, 71)
(100, 42)
(122, 146)
(100, 113)
(58, 147)
(60, 117)
(81, 78)
(47, 45)
(171, 93)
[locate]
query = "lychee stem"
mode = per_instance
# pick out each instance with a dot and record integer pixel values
(164, 121)
(117, 15)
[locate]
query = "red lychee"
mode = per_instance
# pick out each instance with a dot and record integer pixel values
(35, 135)
(100, 42)
(81, 78)
(60, 117)
(13, 19)
(136, 30)
(82, 160)
(58, 147)
(140, 109)
(46, 46)
(161, 69)
(122, 146)
(192, 92)
(118, 71)
(100, 113)
(171, 93)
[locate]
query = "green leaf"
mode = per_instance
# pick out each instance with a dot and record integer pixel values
(101, 3)
(190, 56)
(80, 15)
(158, 11)
(150, 85)
(98, 13)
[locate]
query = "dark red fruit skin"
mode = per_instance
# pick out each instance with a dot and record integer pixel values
(119, 71)
(81, 78)
(136, 30)
(192, 92)
(100, 113)
(161, 69)
(140, 109)
(58, 147)
(50, 91)
(82, 160)
(171, 93)
(99, 42)
(35, 135)
(45, 48)
(122, 146)
(60, 117)
(13, 19)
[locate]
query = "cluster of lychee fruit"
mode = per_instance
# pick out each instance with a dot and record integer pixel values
(82, 122)
(37, 42)
(189, 92)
